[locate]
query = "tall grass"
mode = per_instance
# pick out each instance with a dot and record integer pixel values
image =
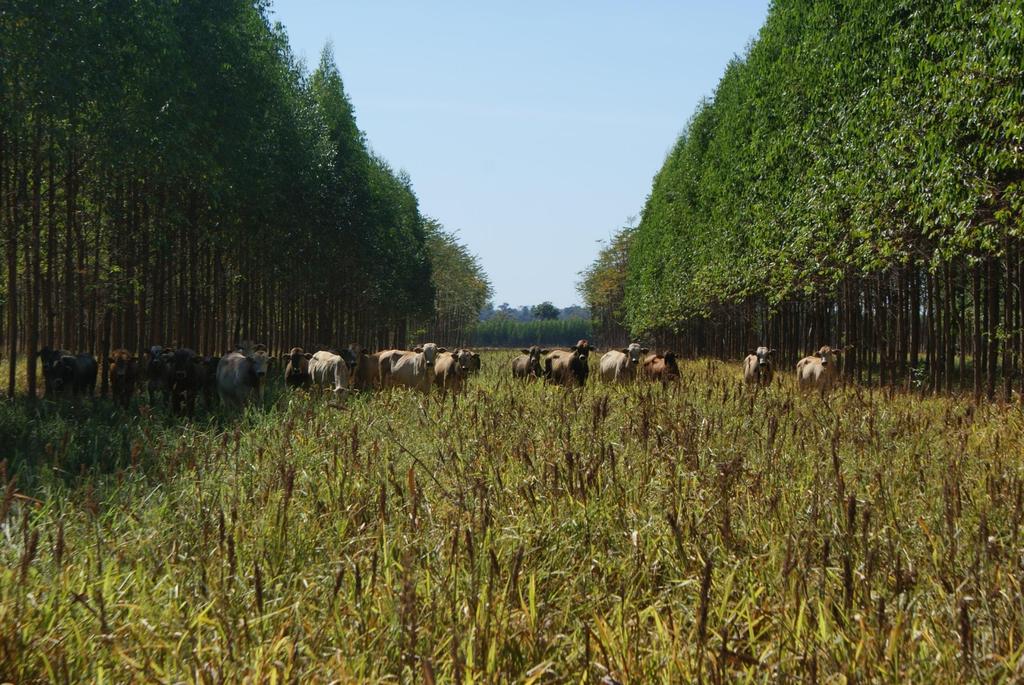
(520, 532)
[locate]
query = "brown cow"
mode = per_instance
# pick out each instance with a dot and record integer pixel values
(758, 368)
(569, 367)
(528, 364)
(296, 370)
(819, 370)
(124, 371)
(452, 369)
(661, 367)
(366, 375)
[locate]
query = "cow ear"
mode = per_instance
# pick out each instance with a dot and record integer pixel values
(545, 351)
(417, 350)
(443, 349)
(751, 352)
(308, 355)
(524, 351)
(772, 351)
(574, 348)
(624, 350)
(644, 350)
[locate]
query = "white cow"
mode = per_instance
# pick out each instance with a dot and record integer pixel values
(331, 370)
(622, 366)
(758, 368)
(819, 371)
(241, 372)
(416, 369)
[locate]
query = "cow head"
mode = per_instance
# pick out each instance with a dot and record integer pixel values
(464, 361)
(350, 357)
(582, 349)
(58, 368)
(182, 368)
(122, 364)
(296, 363)
(633, 353)
(259, 360)
(429, 352)
(828, 355)
(157, 359)
(533, 364)
(764, 356)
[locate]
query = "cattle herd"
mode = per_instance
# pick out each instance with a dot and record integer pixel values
(178, 377)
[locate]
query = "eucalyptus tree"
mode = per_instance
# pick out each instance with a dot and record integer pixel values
(170, 174)
(856, 177)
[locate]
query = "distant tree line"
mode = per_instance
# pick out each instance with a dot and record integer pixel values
(544, 310)
(857, 179)
(504, 332)
(169, 174)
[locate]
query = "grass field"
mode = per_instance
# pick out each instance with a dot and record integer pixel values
(522, 533)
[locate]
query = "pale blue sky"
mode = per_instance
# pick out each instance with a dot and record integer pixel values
(533, 129)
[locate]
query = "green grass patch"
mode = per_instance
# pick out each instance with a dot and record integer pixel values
(522, 533)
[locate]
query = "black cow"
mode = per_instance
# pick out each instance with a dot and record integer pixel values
(208, 380)
(185, 377)
(65, 373)
(157, 360)
(296, 370)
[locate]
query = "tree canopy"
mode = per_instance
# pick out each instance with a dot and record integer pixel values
(169, 173)
(857, 174)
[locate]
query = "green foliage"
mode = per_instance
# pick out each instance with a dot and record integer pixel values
(851, 138)
(187, 130)
(460, 284)
(545, 311)
(500, 331)
(603, 287)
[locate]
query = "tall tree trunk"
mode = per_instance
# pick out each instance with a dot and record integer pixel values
(1008, 361)
(978, 347)
(32, 259)
(49, 293)
(14, 220)
(993, 325)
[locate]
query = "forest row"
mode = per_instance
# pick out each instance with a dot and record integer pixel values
(855, 180)
(171, 174)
